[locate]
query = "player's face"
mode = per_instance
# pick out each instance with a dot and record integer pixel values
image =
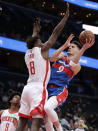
(15, 99)
(72, 50)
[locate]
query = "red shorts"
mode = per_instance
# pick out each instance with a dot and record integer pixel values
(62, 96)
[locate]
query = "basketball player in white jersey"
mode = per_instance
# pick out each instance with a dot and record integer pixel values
(34, 93)
(9, 117)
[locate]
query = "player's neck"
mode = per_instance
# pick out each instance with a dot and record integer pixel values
(69, 57)
(13, 109)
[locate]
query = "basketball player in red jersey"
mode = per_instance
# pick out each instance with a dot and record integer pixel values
(34, 94)
(62, 71)
(9, 117)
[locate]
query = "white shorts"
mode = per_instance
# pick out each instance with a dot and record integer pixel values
(33, 99)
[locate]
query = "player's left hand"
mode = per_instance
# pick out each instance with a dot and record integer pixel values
(37, 26)
(67, 11)
(89, 43)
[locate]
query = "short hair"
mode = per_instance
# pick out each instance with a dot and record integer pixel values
(13, 94)
(77, 43)
(31, 40)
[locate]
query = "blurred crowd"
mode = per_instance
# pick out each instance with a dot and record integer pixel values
(17, 23)
(19, 28)
(78, 112)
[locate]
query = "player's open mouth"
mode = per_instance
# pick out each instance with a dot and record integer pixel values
(68, 52)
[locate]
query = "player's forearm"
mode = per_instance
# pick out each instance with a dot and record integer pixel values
(62, 23)
(77, 57)
(57, 30)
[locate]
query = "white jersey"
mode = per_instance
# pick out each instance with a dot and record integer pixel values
(78, 129)
(9, 121)
(38, 67)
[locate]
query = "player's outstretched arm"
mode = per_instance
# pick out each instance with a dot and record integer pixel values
(56, 32)
(87, 45)
(58, 53)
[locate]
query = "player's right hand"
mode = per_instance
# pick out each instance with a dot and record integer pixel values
(89, 43)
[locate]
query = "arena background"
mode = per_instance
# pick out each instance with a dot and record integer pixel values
(16, 22)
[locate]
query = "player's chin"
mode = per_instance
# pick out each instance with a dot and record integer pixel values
(15, 102)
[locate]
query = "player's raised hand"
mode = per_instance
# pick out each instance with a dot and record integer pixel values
(89, 43)
(36, 27)
(67, 11)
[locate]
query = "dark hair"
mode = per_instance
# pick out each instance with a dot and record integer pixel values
(31, 41)
(13, 94)
(77, 43)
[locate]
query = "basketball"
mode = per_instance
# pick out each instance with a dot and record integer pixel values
(86, 34)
